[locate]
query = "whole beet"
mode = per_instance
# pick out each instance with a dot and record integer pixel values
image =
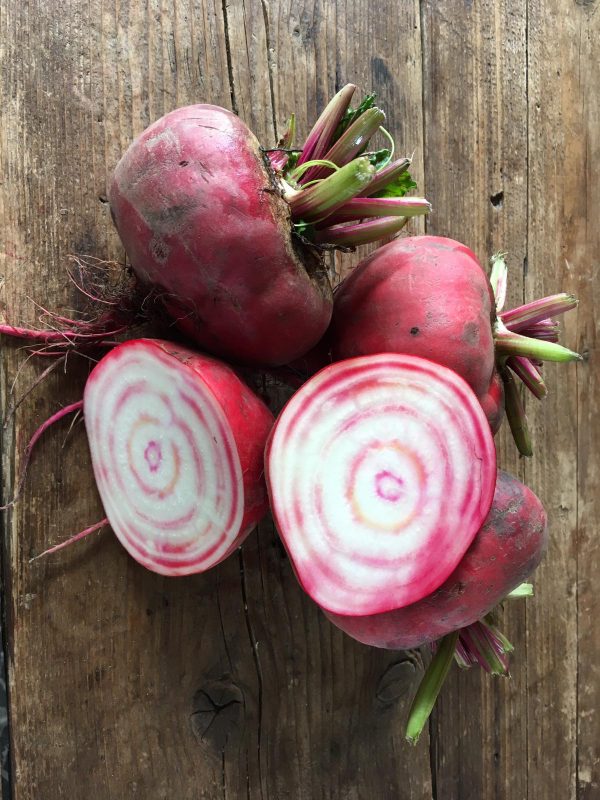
(507, 549)
(203, 223)
(425, 296)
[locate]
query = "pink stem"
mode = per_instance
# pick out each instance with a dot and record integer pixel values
(360, 233)
(319, 138)
(349, 145)
(359, 208)
(76, 538)
(547, 330)
(524, 369)
(47, 336)
(32, 442)
(522, 317)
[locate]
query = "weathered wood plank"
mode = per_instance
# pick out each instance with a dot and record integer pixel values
(475, 105)
(583, 246)
(563, 120)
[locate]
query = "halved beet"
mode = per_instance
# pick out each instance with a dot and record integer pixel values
(380, 471)
(506, 550)
(177, 445)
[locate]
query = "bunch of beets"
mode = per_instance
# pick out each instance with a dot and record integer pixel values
(380, 471)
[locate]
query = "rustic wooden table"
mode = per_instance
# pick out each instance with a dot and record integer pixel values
(123, 684)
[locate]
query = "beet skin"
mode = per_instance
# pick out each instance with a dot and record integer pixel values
(205, 226)
(507, 549)
(425, 296)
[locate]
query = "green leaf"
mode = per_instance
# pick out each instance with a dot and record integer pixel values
(292, 161)
(398, 187)
(304, 229)
(378, 157)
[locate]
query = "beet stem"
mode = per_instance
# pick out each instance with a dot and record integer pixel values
(524, 369)
(547, 330)
(385, 176)
(280, 155)
(318, 140)
(328, 195)
(515, 413)
(499, 279)
(430, 687)
(361, 207)
(350, 144)
(518, 318)
(523, 590)
(514, 344)
(360, 233)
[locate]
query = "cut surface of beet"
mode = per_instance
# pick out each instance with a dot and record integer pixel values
(380, 471)
(165, 457)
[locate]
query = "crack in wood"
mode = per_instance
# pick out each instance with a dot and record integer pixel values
(259, 677)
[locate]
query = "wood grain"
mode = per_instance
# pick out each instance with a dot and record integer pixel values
(475, 105)
(232, 685)
(583, 246)
(563, 119)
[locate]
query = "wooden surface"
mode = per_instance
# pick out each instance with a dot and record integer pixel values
(231, 685)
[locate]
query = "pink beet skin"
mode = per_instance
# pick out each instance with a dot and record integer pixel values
(425, 296)
(492, 402)
(204, 225)
(508, 547)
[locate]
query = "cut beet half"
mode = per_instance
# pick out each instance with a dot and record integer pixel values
(176, 442)
(381, 470)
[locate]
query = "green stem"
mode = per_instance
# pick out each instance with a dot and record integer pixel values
(328, 195)
(430, 687)
(297, 173)
(523, 590)
(514, 344)
(515, 413)
(390, 139)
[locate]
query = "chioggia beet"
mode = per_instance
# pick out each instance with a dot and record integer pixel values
(228, 234)
(371, 480)
(506, 550)
(177, 443)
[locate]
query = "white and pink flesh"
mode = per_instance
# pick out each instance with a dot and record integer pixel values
(381, 470)
(165, 456)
